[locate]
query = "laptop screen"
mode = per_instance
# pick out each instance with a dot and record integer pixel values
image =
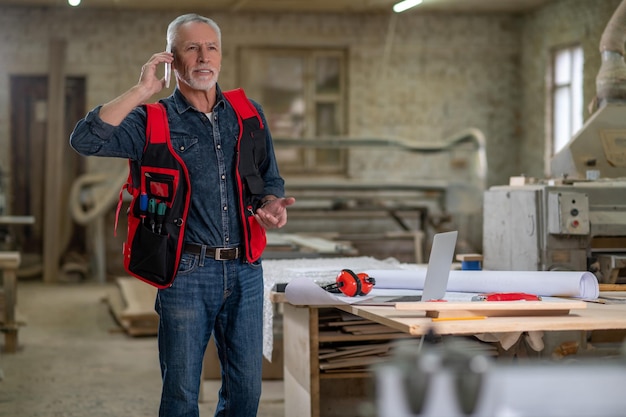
(437, 273)
(439, 265)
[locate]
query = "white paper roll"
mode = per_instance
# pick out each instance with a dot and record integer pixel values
(581, 284)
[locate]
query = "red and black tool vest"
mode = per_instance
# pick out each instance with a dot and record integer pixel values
(160, 188)
(251, 152)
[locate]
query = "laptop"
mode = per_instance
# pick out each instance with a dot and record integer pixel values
(437, 273)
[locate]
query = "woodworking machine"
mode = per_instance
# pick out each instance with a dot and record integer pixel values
(577, 222)
(577, 226)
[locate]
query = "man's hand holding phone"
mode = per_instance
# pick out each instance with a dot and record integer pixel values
(168, 69)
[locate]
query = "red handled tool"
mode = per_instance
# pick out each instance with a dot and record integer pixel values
(506, 296)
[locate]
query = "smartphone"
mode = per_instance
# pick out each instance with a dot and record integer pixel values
(168, 69)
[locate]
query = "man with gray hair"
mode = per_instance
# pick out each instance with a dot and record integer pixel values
(218, 287)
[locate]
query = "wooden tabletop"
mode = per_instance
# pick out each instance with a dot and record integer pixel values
(582, 315)
(594, 317)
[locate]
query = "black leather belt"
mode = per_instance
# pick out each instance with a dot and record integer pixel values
(219, 254)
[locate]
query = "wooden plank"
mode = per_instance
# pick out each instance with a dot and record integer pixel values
(314, 344)
(594, 317)
(278, 297)
(360, 362)
(344, 351)
(347, 337)
(17, 220)
(116, 305)
(316, 244)
(342, 323)
(612, 287)
(372, 351)
(493, 308)
(343, 374)
(139, 298)
(384, 330)
(469, 257)
(372, 328)
(297, 397)
(56, 148)
(132, 326)
(300, 362)
(132, 305)
(10, 260)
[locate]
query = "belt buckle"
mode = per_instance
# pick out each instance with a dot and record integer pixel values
(218, 254)
(224, 254)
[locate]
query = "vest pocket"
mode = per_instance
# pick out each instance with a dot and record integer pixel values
(258, 239)
(160, 183)
(151, 258)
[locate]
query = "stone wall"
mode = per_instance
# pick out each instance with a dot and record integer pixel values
(420, 77)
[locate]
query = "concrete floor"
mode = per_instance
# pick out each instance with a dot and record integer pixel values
(74, 361)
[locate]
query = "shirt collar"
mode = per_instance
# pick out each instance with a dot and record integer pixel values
(182, 105)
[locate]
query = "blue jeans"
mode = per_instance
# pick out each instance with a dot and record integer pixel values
(223, 297)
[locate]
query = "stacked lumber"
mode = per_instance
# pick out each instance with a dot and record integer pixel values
(132, 306)
(358, 358)
(351, 344)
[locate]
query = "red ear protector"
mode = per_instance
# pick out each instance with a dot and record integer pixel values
(352, 284)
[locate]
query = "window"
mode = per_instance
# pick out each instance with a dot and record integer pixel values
(303, 97)
(567, 95)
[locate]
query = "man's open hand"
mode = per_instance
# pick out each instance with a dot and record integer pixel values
(273, 213)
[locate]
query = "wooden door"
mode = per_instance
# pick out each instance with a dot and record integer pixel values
(28, 149)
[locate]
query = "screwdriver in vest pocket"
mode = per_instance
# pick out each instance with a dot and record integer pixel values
(161, 207)
(143, 206)
(151, 212)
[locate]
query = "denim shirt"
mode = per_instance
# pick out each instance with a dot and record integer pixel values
(208, 148)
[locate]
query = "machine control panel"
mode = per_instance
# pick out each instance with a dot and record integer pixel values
(568, 213)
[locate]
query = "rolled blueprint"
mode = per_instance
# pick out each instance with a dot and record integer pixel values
(580, 284)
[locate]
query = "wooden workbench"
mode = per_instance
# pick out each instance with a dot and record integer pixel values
(311, 391)
(594, 317)
(17, 220)
(9, 263)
